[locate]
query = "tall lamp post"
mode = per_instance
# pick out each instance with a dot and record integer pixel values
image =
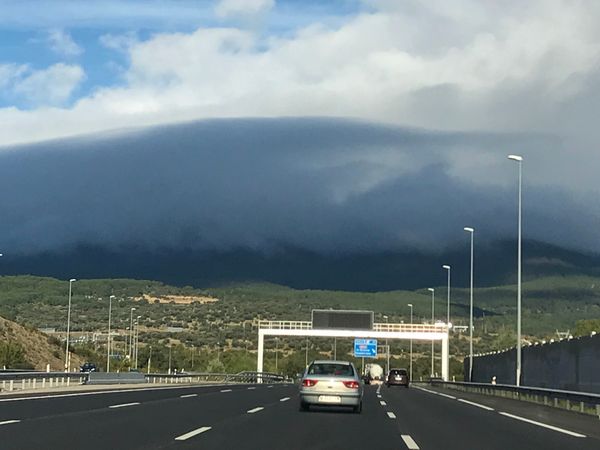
(130, 351)
(432, 290)
(447, 267)
(519, 160)
(411, 350)
(136, 340)
(108, 341)
(471, 231)
(387, 350)
(67, 360)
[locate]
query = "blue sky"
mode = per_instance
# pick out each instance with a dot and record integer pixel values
(26, 26)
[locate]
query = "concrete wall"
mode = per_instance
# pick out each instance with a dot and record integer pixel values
(572, 365)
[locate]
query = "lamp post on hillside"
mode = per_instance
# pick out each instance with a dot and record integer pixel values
(136, 340)
(67, 361)
(471, 231)
(130, 350)
(432, 290)
(447, 267)
(108, 341)
(411, 351)
(519, 160)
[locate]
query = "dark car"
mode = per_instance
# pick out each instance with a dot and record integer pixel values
(397, 377)
(88, 367)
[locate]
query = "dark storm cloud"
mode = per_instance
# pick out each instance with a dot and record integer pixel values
(324, 185)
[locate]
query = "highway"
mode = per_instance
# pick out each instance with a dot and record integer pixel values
(267, 417)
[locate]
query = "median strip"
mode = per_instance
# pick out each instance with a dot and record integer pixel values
(255, 410)
(193, 433)
(410, 442)
(7, 422)
(124, 405)
(543, 425)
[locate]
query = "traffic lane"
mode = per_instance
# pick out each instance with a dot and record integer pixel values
(440, 422)
(134, 425)
(582, 423)
(282, 425)
(29, 407)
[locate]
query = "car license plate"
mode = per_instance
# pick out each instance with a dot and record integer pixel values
(329, 399)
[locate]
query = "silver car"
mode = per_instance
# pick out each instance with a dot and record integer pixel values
(331, 383)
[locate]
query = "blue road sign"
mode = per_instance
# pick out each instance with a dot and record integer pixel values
(366, 348)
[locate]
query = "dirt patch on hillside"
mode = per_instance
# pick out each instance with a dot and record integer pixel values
(38, 348)
(177, 299)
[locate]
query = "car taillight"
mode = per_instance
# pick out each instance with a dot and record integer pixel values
(309, 383)
(351, 384)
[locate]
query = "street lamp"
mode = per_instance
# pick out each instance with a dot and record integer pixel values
(447, 267)
(108, 344)
(519, 160)
(67, 361)
(129, 353)
(432, 290)
(411, 351)
(471, 231)
(387, 347)
(136, 336)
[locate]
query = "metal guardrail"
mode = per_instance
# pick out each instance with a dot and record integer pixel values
(582, 402)
(22, 381)
(12, 381)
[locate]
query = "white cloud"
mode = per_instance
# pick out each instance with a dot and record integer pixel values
(51, 86)
(9, 73)
(242, 8)
(119, 42)
(471, 66)
(62, 43)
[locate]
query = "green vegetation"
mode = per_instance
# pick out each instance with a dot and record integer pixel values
(222, 335)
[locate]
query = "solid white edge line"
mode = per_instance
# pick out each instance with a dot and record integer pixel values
(225, 390)
(284, 399)
(6, 422)
(382, 403)
(188, 395)
(255, 410)
(193, 433)
(123, 405)
(446, 395)
(543, 425)
(410, 442)
(487, 408)
(112, 391)
(391, 415)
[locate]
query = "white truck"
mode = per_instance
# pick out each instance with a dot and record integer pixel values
(373, 374)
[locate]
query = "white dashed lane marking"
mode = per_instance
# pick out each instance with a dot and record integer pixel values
(410, 442)
(193, 433)
(188, 395)
(255, 410)
(382, 403)
(391, 415)
(284, 399)
(225, 390)
(7, 422)
(124, 405)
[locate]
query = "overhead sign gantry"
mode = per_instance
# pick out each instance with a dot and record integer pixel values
(353, 324)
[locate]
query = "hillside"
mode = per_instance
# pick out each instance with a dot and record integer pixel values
(22, 347)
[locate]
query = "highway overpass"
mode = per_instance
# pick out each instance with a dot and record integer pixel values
(266, 416)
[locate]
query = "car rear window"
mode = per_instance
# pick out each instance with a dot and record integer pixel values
(398, 372)
(331, 369)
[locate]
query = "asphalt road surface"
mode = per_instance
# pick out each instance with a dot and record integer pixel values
(267, 417)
